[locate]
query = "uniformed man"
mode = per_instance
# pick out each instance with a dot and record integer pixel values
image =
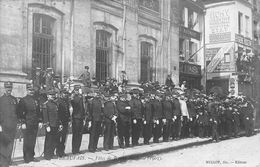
(110, 116)
(176, 130)
(148, 119)
(229, 117)
(64, 116)
(236, 120)
(167, 117)
(85, 76)
(30, 116)
(8, 124)
(136, 109)
(248, 112)
(157, 117)
(184, 117)
(37, 82)
(49, 79)
(78, 117)
(192, 117)
(52, 124)
(95, 116)
(124, 121)
(214, 118)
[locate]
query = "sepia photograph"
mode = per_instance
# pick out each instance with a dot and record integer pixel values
(127, 83)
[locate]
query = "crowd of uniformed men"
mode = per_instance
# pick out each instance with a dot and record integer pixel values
(151, 114)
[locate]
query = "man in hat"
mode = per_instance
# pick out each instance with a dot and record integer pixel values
(168, 115)
(85, 76)
(192, 115)
(214, 118)
(95, 117)
(157, 117)
(123, 78)
(30, 117)
(169, 83)
(184, 117)
(49, 79)
(124, 121)
(110, 116)
(78, 117)
(136, 109)
(147, 120)
(52, 124)
(64, 115)
(8, 124)
(37, 79)
(176, 129)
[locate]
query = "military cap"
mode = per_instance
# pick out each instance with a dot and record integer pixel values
(8, 84)
(37, 69)
(86, 67)
(77, 87)
(135, 91)
(29, 86)
(49, 69)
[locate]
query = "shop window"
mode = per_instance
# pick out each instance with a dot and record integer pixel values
(103, 49)
(42, 47)
(146, 63)
(227, 58)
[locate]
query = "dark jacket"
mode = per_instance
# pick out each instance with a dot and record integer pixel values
(136, 108)
(147, 111)
(191, 109)
(123, 113)
(63, 110)
(95, 110)
(78, 107)
(157, 109)
(109, 111)
(29, 111)
(176, 107)
(50, 114)
(167, 109)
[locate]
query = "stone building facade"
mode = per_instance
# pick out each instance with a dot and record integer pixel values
(110, 36)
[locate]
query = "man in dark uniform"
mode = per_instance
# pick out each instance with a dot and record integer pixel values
(157, 118)
(110, 116)
(147, 121)
(49, 79)
(214, 118)
(176, 130)
(78, 115)
(8, 124)
(30, 116)
(167, 117)
(95, 116)
(64, 116)
(192, 117)
(52, 124)
(236, 120)
(248, 112)
(229, 117)
(136, 109)
(124, 121)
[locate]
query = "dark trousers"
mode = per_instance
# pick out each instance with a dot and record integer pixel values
(185, 127)
(62, 135)
(214, 131)
(157, 131)
(123, 133)
(192, 127)
(94, 135)
(136, 131)
(50, 143)
(229, 123)
(176, 129)
(109, 133)
(167, 130)
(77, 125)
(29, 141)
(248, 126)
(236, 125)
(6, 150)
(201, 129)
(147, 132)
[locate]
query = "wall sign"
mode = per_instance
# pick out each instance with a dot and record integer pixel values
(189, 33)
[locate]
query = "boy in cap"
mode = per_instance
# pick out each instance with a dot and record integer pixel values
(8, 124)
(30, 117)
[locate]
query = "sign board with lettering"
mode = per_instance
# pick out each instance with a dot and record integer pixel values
(189, 33)
(188, 68)
(243, 40)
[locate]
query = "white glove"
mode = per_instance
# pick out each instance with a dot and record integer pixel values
(89, 124)
(23, 126)
(247, 118)
(164, 121)
(134, 121)
(157, 122)
(190, 119)
(145, 122)
(60, 128)
(114, 118)
(48, 128)
(210, 119)
(175, 117)
(1, 130)
(128, 108)
(40, 125)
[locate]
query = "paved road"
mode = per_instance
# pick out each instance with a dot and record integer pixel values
(238, 152)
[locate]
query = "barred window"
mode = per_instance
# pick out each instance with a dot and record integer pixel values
(103, 48)
(146, 67)
(42, 47)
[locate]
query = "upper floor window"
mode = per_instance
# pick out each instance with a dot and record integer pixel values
(247, 26)
(150, 4)
(240, 22)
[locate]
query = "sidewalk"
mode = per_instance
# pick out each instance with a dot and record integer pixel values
(101, 156)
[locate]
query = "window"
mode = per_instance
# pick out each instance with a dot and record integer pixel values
(192, 49)
(150, 4)
(146, 56)
(181, 49)
(190, 19)
(227, 57)
(240, 22)
(103, 48)
(42, 53)
(247, 26)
